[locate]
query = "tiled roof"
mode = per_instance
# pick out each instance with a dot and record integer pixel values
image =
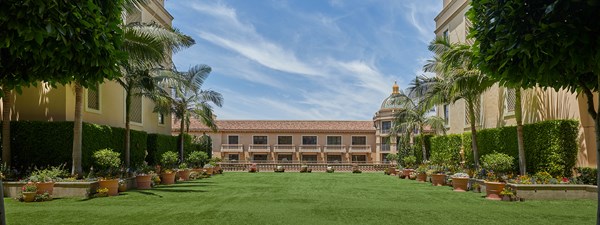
(284, 125)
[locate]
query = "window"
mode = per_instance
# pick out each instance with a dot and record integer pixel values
(359, 158)
(260, 157)
(284, 158)
(445, 34)
(161, 118)
(385, 143)
(386, 126)
(135, 113)
(510, 102)
(284, 140)
(334, 140)
(259, 140)
(233, 140)
(359, 140)
(309, 140)
(233, 157)
(334, 158)
(93, 98)
(309, 158)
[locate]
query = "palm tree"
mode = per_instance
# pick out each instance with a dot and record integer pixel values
(457, 78)
(414, 117)
(187, 99)
(147, 45)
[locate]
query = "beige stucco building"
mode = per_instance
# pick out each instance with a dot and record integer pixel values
(497, 105)
(106, 104)
(309, 141)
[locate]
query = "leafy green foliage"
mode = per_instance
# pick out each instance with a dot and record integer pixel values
(169, 159)
(409, 161)
(59, 41)
(497, 162)
(418, 150)
(445, 150)
(587, 175)
(107, 161)
(197, 159)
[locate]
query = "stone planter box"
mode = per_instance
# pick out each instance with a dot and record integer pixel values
(555, 191)
(61, 189)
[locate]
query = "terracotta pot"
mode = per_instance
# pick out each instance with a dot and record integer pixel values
(45, 187)
(198, 170)
(493, 189)
(209, 171)
(143, 182)
(184, 174)
(217, 169)
(112, 185)
(422, 177)
(167, 178)
(438, 179)
(122, 187)
(406, 173)
(29, 196)
(460, 184)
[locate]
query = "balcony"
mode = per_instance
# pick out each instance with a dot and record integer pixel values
(259, 148)
(334, 148)
(309, 148)
(232, 148)
(360, 148)
(284, 148)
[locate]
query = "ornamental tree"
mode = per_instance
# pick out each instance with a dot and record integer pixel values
(553, 44)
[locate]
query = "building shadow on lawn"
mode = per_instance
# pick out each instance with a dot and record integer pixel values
(178, 190)
(148, 193)
(182, 185)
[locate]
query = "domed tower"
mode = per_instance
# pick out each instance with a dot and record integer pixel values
(383, 122)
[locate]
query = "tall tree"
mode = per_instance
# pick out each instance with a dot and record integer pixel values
(547, 43)
(148, 46)
(187, 99)
(40, 42)
(415, 116)
(458, 77)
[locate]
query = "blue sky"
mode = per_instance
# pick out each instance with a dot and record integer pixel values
(305, 59)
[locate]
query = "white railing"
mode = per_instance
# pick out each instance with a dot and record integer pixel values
(360, 148)
(309, 148)
(232, 148)
(334, 148)
(284, 148)
(259, 148)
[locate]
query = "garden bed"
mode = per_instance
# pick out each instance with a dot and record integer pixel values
(548, 191)
(61, 189)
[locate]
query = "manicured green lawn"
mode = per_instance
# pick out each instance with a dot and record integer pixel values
(294, 198)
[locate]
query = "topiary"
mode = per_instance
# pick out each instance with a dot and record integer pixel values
(107, 162)
(169, 160)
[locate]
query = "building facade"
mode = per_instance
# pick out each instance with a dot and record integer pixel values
(305, 141)
(496, 106)
(106, 104)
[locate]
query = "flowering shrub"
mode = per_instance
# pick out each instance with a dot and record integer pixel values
(29, 187)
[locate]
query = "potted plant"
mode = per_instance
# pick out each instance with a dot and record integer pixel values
(507, 194)
(29, 191)
(253, 168)
(44, 179)
(279, 169)
(496, 165)
(422, 173)
(437, 174)
(355, 169)
(209, 168)
(143, 178)
(183, 172)
(108, 162)
(304, 169)
(409, 163)
(102, 192)
(217, 166)
(196, 160)
(412, 175)
(460, 182)
(168, 161)
(330, 169)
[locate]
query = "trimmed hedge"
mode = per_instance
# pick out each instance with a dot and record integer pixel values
(447, 148)
(550, 146)
(41, 143)
(417, 150)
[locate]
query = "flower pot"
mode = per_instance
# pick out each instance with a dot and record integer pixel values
(422, 177)
(506, 198)
(406, 173)
(143, 182)
(112, 186)
(167, 178)
(44, 187)
(184, 174)
(217, 169)
(29, 196)
(122, 187)
(198, 170)
(438, 179)
(209, 171)
(493, 190)
(460, 184)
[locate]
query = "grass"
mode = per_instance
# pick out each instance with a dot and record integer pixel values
(295, 198)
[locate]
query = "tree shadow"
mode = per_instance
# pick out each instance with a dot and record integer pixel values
(148, 193)
(179, 190)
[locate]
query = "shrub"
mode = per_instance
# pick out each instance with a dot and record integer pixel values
(410, 161)
(497, 162)
(418, 150)
(445, 150)
(169, 159)
(197, 158)
(587, 175)
(108, 162)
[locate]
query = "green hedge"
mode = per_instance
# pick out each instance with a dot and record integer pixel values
(418, 150)
(549, 145)
(447, 147)
(41, 143)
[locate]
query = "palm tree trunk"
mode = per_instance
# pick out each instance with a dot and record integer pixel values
(471, 107)
(127, 128)
(6, 107)
(77, 131)
(521, 144)
(181, 131)
(423, 144)
(597, 127)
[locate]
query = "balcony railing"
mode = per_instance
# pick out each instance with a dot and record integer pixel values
(334, 148)
(232, 148)
(259, 148)
(309, 148)
(284, 148)
(360, 148)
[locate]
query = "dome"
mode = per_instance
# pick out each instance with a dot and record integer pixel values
(391, 102)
